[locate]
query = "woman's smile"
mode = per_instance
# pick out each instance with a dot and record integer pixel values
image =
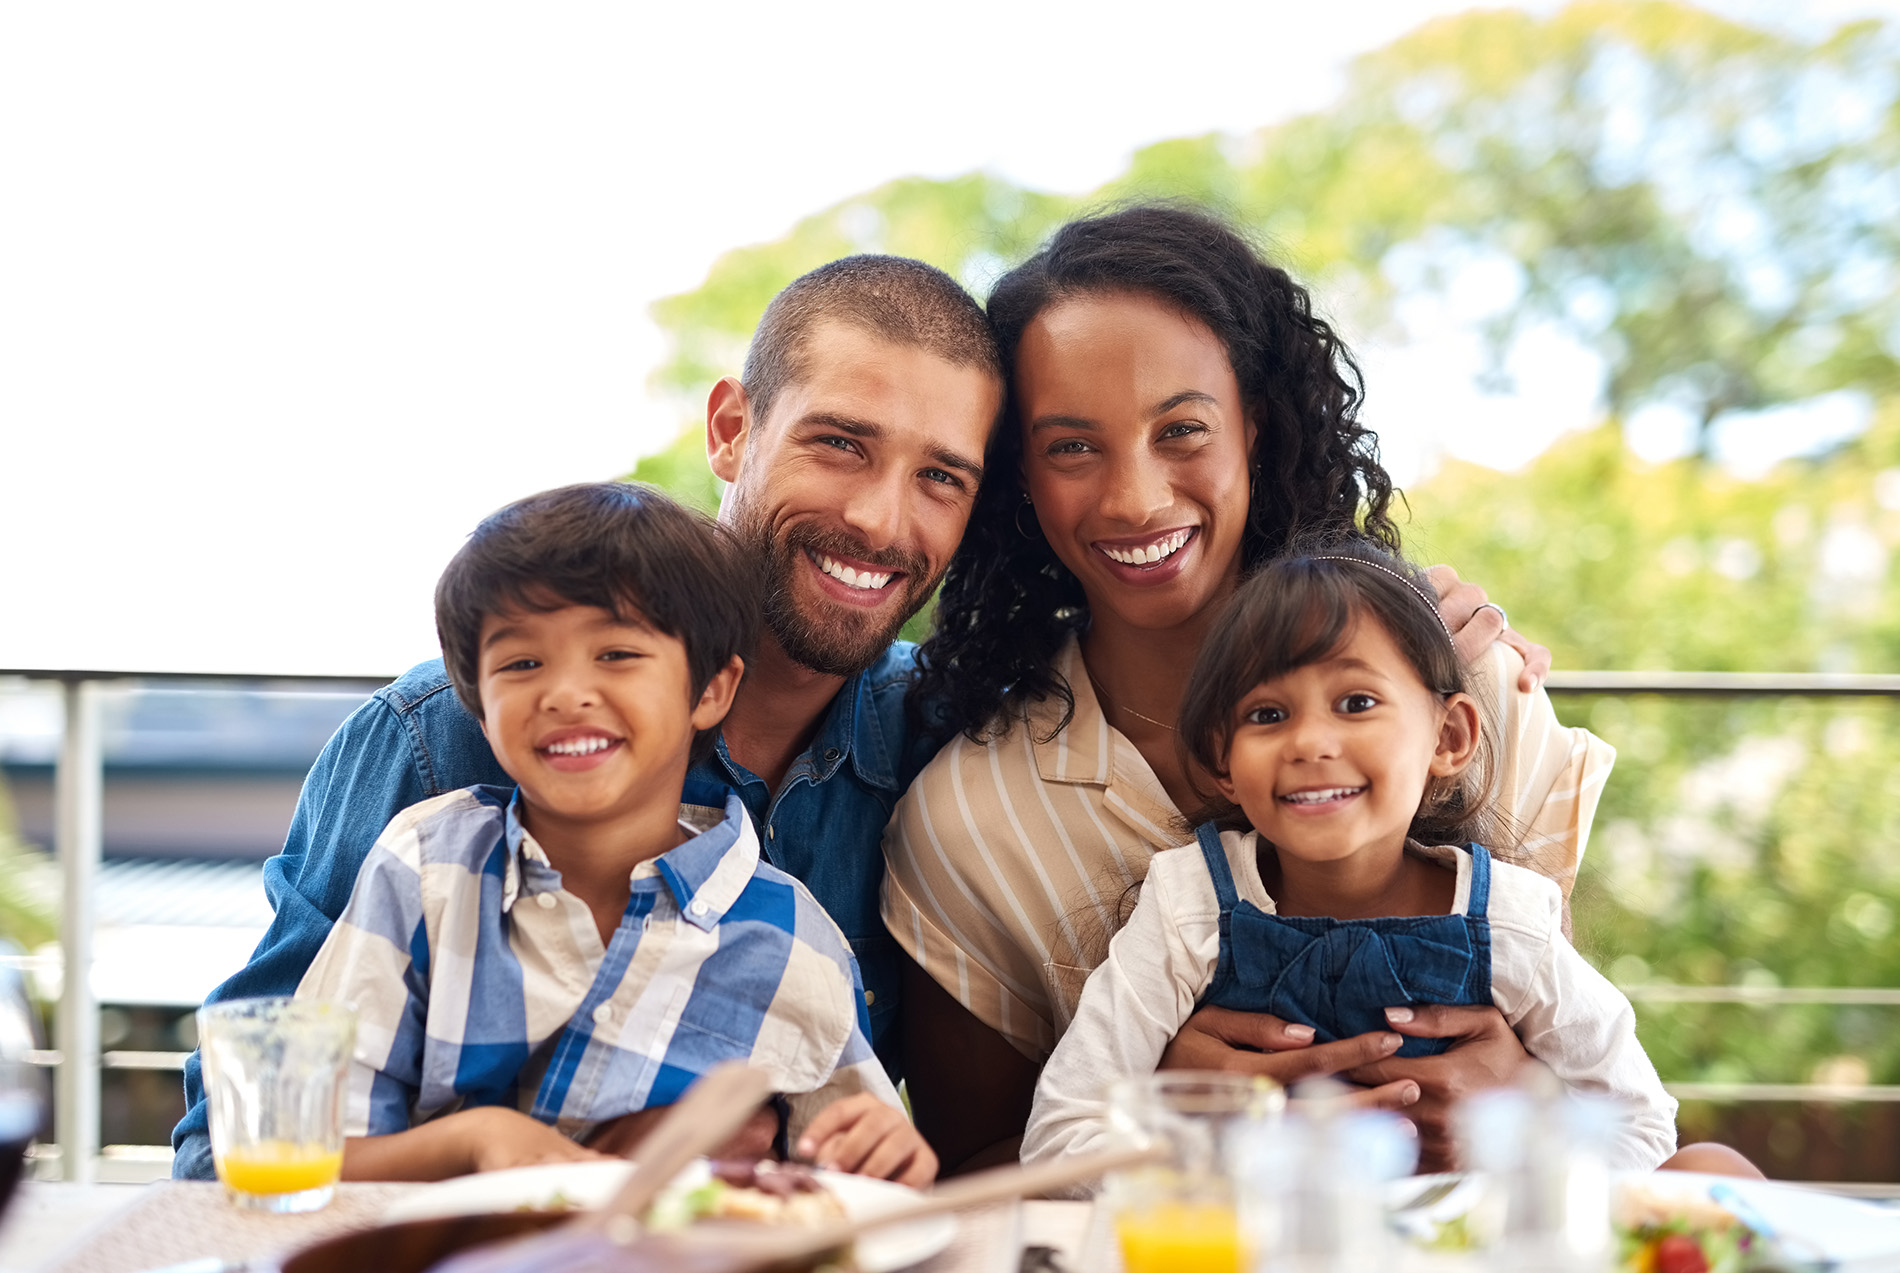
(1135, 455)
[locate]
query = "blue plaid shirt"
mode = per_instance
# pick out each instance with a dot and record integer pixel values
(479, 980)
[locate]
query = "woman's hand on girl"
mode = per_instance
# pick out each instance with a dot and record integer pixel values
(1260, 1043)
(1484, 1054)
(1475, 623)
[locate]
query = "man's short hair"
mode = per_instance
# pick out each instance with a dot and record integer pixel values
(622, 546)
(893, 298)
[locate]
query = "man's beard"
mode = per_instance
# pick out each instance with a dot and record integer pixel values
(838, 641)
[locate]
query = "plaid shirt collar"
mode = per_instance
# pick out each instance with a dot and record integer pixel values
(705, 875)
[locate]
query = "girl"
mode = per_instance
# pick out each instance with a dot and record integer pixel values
(1331, 709)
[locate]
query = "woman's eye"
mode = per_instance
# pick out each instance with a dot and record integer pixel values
(1182, 430)
(1068, 446)
(1354, 703)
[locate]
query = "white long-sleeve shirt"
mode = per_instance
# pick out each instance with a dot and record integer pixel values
(1564, 1011)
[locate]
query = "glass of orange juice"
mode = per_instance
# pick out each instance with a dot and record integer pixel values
(274, 1072)
(1180, 1215)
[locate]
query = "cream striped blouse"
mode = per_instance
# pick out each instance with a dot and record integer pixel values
(1008, 860)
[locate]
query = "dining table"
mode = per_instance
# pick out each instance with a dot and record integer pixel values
(189, 1226)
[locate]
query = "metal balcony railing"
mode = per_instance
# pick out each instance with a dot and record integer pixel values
(79, 785)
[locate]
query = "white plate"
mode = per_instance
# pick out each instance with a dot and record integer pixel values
(589, 1184)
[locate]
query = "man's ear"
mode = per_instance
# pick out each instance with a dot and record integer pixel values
(716, 699)
(1457, 737)
(728, 428)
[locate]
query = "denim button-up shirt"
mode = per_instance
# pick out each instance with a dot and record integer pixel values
(414, 740)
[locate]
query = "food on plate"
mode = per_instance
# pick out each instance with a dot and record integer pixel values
(1662, 1232)
(762, 1192)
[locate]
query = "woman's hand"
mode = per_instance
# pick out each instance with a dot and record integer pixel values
(1260, 1043)
(1475, 623)
(863, 1135)
(1484, 1054)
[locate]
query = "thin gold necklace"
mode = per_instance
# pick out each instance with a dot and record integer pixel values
(1173, 729)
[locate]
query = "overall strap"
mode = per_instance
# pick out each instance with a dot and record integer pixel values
(1480, 899)
(1217, 868)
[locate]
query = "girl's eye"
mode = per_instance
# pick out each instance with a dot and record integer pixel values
(1355, 703)
(1265, 716)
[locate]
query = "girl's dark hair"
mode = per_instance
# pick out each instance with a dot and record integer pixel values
(1007, 602)
(1294, 612)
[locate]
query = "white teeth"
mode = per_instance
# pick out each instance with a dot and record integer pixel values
(850, 578)
(1321, 796)
(580, 746)
(1160, 550)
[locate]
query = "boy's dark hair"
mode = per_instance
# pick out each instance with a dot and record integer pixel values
(1295, 611)
(623, 546)
(894, 298)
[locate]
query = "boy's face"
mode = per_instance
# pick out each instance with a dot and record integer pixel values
(590, 714)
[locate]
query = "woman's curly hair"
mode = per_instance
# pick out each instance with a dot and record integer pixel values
(1008, 603)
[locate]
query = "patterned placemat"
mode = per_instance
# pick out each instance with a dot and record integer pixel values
(179, 1220)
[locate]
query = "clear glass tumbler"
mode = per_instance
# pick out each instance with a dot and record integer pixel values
(1179, 1215)
(274, 1072)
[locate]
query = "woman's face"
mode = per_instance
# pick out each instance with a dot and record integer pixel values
(1135, 453)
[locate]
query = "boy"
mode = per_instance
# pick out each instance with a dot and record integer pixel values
(529, 964)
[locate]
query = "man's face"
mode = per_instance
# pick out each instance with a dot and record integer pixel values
(856, 490)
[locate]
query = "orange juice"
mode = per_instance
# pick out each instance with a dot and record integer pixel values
(1180, 1237)
(280, 1166)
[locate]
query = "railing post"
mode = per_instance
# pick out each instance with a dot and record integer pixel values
(79, 797)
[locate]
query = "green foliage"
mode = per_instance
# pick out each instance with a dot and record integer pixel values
(29, 885)
(681, 471)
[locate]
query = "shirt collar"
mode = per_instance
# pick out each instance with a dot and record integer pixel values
(851, 730)
(705, 875)
(1089, 751)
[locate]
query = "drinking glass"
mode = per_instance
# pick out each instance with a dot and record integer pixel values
(1179, 1215)
(274, 1073)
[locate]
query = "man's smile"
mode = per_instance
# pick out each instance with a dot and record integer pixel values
(862, 577)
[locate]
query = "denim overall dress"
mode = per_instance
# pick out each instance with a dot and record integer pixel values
(1339, 975)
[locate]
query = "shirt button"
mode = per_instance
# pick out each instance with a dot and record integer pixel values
(546, 901)
(870, 997)
(603, 1014)
(698, 907)
(832, 753)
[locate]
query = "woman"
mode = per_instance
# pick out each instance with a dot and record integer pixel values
(1176, 414)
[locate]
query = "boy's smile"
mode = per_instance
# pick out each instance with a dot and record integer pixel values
(591, 715)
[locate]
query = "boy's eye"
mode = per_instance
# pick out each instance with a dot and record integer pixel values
(1265, 716)
(618, 655)
(1355, 703)
(519, 665)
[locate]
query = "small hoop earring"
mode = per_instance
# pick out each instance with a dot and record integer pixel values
(1027, 534)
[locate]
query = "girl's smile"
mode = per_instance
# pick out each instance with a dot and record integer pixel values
(1331, 761)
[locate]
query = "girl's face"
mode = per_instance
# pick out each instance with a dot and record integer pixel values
(1332, 760)
(1135, 453)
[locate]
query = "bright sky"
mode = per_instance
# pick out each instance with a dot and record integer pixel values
(291, 296)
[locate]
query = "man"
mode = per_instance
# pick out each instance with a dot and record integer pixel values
(852, 446)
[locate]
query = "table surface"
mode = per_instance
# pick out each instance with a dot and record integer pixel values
(65, 1228)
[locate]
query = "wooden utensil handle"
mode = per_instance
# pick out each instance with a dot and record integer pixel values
(714, 1107)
